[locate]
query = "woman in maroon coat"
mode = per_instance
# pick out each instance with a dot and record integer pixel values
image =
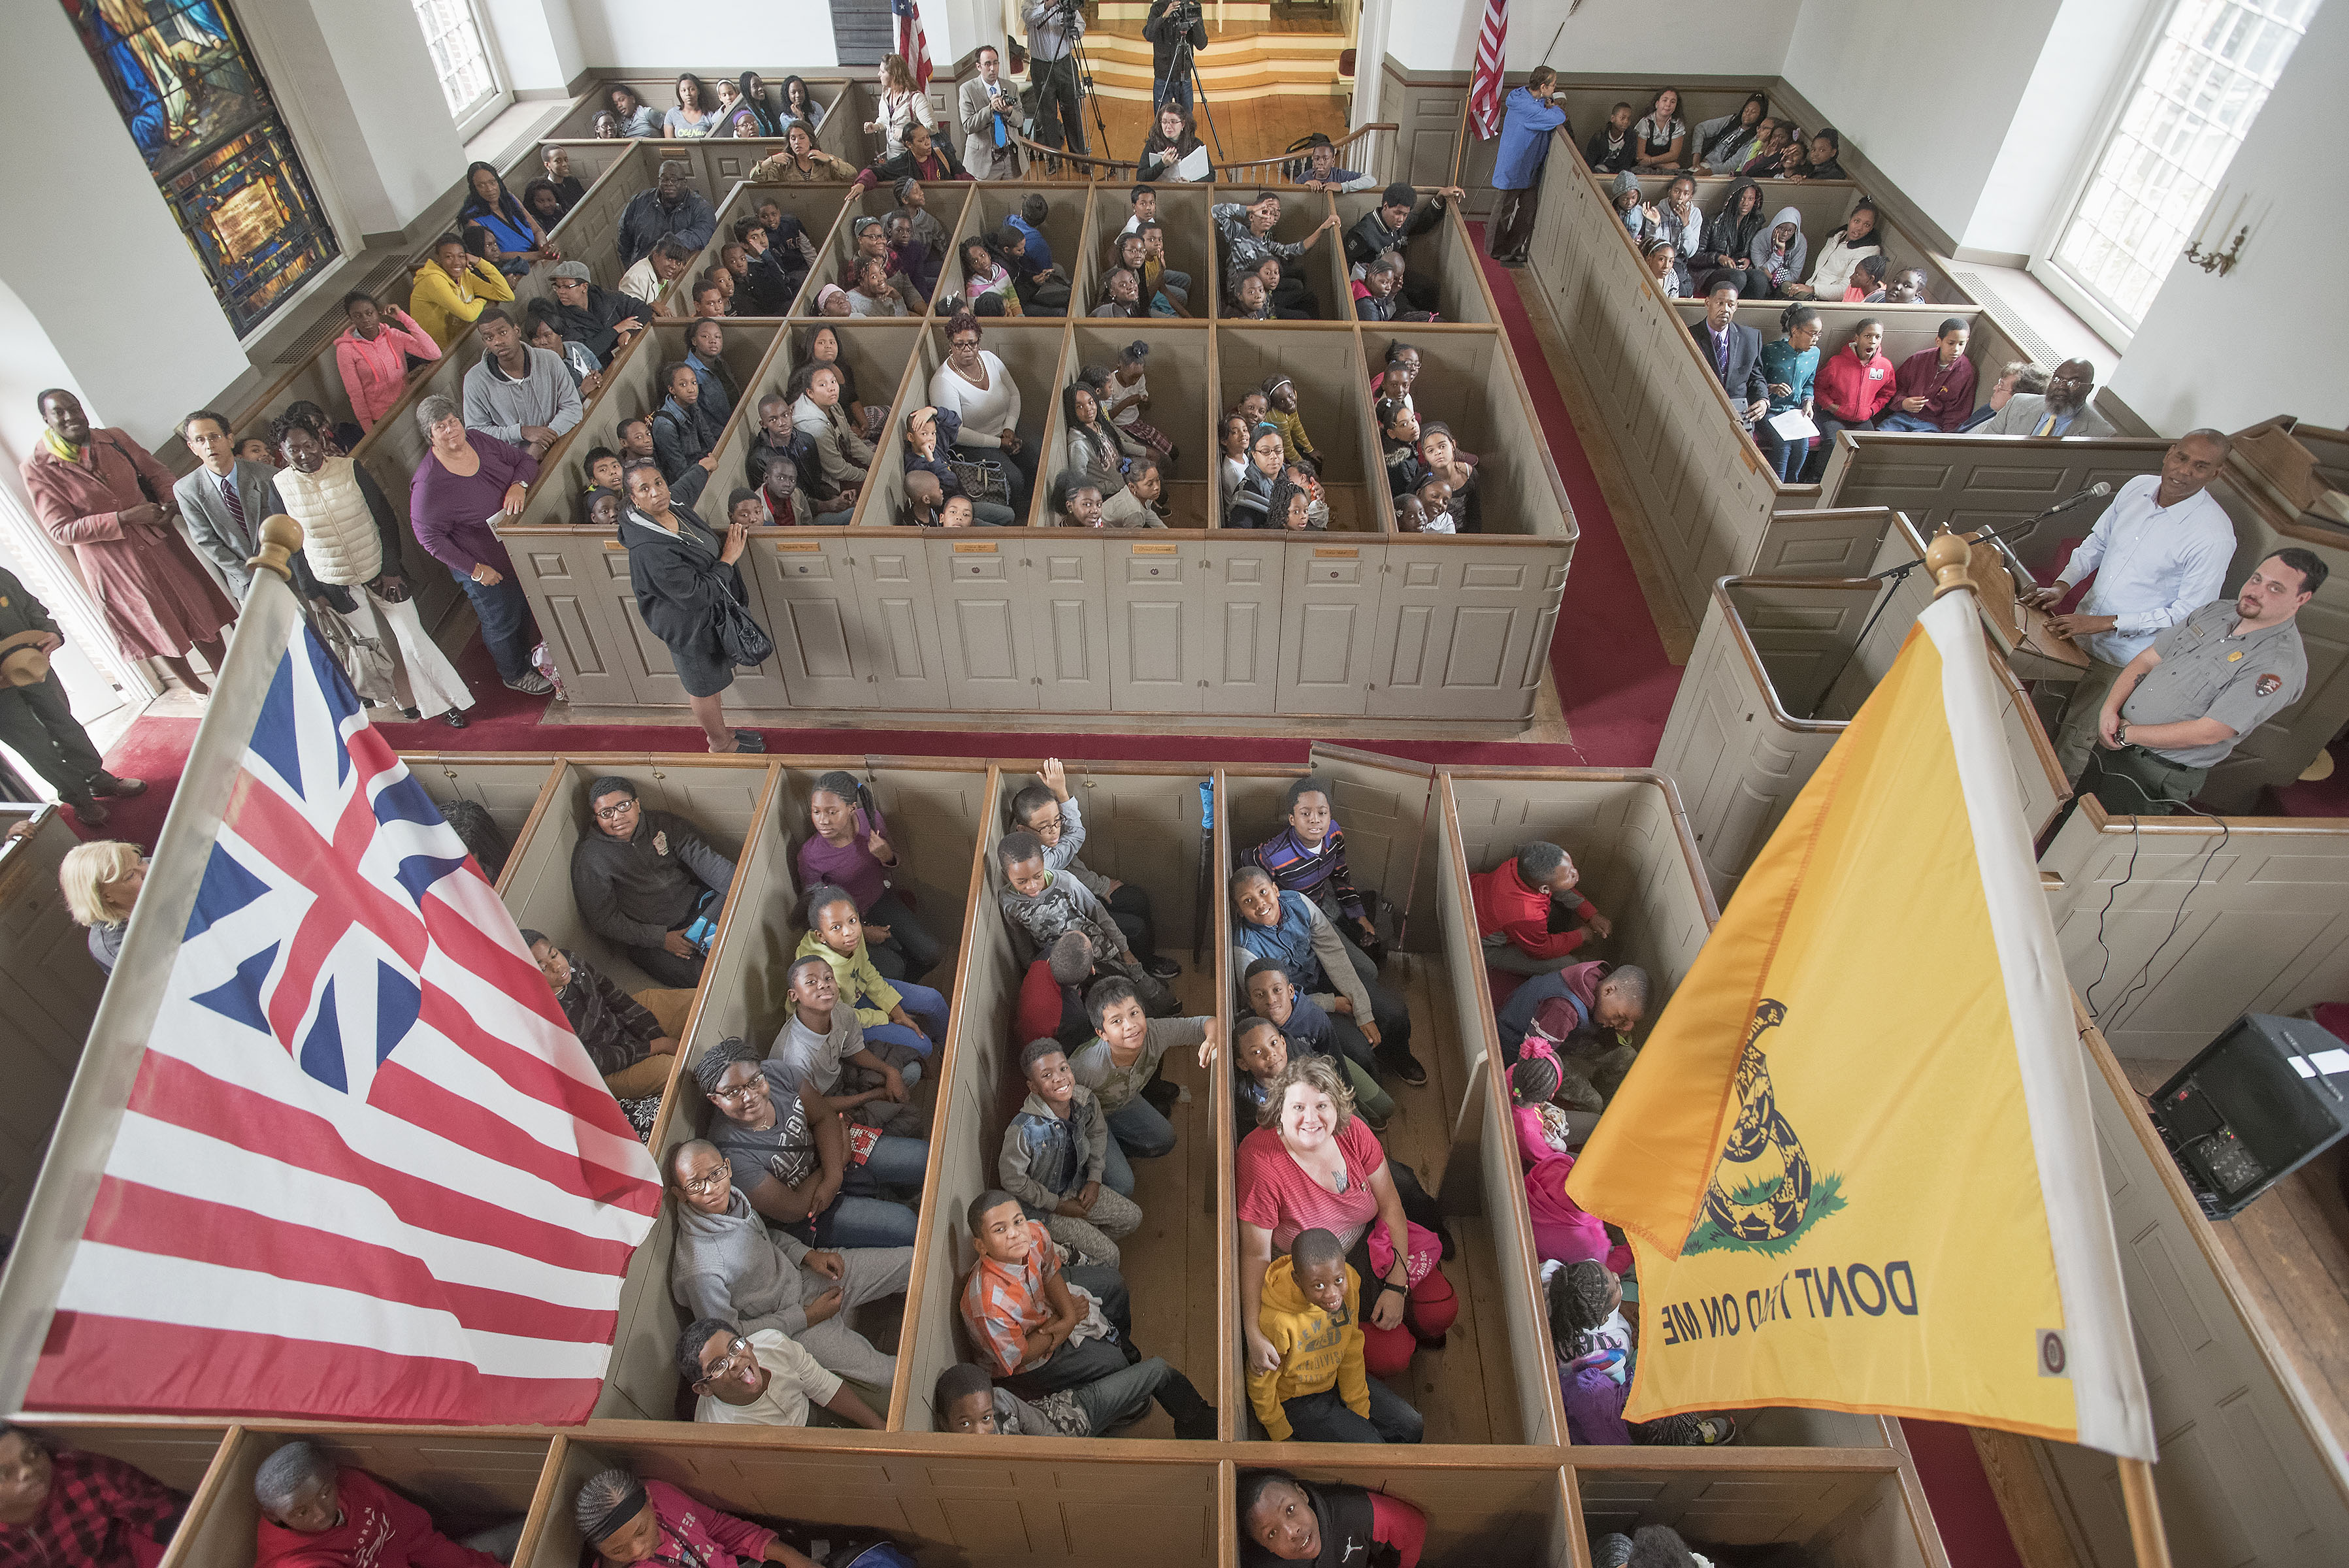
(84, 484)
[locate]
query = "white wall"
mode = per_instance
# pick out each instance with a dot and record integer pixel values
(1747, 38)
(537, 41)
(762, 35)
(2226, 352)
(125, 305)
(2084, 71)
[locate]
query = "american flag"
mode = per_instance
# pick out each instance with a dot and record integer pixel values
(365, 1170)
(911, 42)
(1485, 87)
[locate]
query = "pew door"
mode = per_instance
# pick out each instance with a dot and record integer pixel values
(1382, 803)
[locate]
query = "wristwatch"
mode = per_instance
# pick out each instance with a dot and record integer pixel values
(2120, 732)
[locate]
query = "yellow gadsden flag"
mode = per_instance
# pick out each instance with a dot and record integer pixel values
(1855, 1159)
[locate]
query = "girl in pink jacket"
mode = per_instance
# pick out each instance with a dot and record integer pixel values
(373, 355)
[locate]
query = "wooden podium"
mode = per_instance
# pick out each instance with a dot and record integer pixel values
(2032, 649)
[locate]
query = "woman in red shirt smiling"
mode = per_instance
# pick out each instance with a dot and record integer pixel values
(1318, 1166)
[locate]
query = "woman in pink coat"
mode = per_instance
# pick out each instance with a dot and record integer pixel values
(373, 355)
(85, 488)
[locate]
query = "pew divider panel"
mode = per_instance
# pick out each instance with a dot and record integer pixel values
(1479, 1508)
(1232, 1398)
(1841, 1507)
(449, 776)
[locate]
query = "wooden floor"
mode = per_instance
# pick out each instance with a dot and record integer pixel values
(2290, 1251)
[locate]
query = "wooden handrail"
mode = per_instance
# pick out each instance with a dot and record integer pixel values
(1123, 169)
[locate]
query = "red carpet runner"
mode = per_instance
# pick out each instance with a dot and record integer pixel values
(1612, 678)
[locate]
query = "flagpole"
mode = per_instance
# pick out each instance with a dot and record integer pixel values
(1949, 557)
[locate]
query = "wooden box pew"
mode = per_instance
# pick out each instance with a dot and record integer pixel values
(50, 991)
(467, 1479)
(1065, 226)
(1181, 402)
(1323, 266)
(1824, 205)
(933, 810)
(1190, 235)
(2256, 904)
(1908, 329)
(1324, 362)
(1471, 1390)
(1989, 481)
(515, 791)
(1778, 671)
(1445, 253)
(827, 84)
(817, 207)
(1831, 1509)
(574, 575)
(2239, 1335)
(1143, 826)
(836, 244)
(183, 1455)
(1469, 380)
(721, 161)
(1479, 1508)
(1018, 1501)
(590, 231)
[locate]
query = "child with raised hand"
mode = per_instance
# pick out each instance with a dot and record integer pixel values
(849, 849)
(1321, 1391)
(1047, 904)
(1055, 1151)
(1272, 994)
(903, 1014)
(1041, 1328)
(1597, 1356)
(1049, 811)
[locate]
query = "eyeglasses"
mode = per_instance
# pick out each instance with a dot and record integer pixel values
(739, 1091)
(702, 1186)
(966, 342)
(614, 813)
(736, 1349)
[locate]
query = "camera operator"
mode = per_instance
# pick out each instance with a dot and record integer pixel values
(990, 115)
(1054, 26)
(1172, 24)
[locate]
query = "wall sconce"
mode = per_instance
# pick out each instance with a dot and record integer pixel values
(2218, 262)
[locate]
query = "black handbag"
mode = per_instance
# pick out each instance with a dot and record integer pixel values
(744, 641)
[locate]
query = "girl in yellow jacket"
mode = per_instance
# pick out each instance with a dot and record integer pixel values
(1321, 1392)
(903, 1014)
(452, 289)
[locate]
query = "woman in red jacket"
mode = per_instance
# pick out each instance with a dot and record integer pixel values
(1853, 386)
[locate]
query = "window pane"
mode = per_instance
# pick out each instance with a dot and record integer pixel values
(453, 39)
(2213, 67)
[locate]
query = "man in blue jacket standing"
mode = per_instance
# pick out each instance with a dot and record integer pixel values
(1529, 119)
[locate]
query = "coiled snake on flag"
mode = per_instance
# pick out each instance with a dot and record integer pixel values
(1746, 1162)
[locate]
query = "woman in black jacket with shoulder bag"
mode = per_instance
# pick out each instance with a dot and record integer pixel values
(691, 597)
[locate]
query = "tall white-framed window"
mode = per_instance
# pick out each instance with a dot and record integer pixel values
(2204, 79)
(460, 46)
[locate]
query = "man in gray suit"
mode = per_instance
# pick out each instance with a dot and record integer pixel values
(2063, 410)
(224, 500)
(981, 102)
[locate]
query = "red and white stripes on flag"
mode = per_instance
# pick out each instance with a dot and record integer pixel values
(910, 43)
(1485, 87)
(365, 1171)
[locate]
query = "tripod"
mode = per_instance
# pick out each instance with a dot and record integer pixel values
(1073, 20)
(1184, 66)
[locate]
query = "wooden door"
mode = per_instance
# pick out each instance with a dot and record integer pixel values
(1464, 629)
(1331, 609)
(1241, 660)
(988, 663)
(1157, 613)
(566, 583)
(1066, 598)
(896, 638)
(810, 595)
(1382, 803)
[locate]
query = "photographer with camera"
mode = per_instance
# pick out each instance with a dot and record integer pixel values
(1054, 28)
(1170, 28)
(990, 118)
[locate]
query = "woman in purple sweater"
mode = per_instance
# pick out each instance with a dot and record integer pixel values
(466, 484)
(847, 851)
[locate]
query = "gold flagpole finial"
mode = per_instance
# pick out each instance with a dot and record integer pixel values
(1948, 556)
(281, 536)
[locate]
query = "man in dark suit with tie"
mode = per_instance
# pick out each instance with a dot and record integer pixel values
(224, 499)
(1735, 353)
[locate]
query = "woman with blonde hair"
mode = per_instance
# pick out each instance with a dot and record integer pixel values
(101, 880)
(902, 106)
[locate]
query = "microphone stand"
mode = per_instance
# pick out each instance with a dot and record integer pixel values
(1891, 575)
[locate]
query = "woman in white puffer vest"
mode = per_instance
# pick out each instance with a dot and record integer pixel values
(351, 538)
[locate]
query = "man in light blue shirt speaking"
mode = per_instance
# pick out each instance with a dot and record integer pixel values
(2159, 552)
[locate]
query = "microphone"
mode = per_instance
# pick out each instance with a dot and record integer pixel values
(2068, 503)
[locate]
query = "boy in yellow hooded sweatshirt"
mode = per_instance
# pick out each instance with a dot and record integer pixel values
(1322, 1393)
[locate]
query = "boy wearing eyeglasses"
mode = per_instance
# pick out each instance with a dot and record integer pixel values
(762, 1378)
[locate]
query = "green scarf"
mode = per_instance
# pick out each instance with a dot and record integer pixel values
(66, 451)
